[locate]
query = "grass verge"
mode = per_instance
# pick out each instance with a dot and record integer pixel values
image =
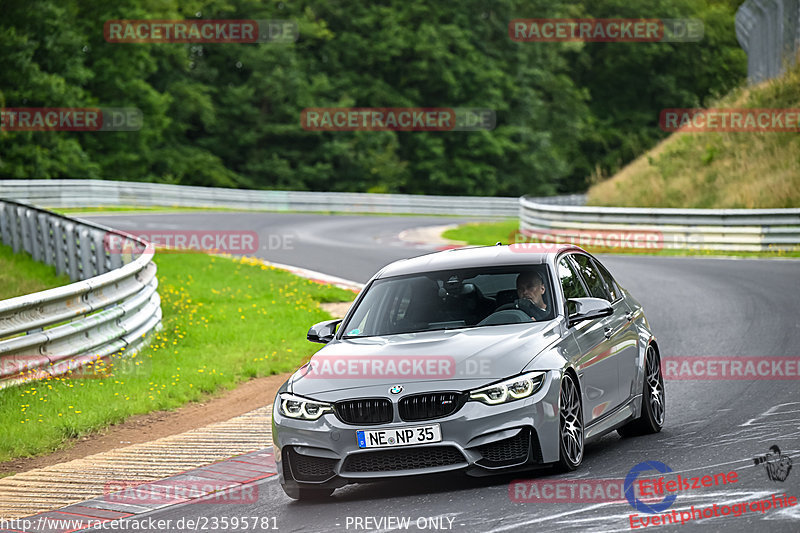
(225, 321)
(20, 274)
(484, 233)
(480, 234)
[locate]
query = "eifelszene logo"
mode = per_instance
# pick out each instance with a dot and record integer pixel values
(636, 503)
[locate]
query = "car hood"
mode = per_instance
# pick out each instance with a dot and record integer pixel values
(472, 357)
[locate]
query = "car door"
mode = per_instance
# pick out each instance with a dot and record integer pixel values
(597, 371)
(629, 356)
(621, 335)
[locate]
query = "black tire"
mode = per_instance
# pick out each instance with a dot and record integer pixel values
(651, 419)
(305, 494)
(570, 435)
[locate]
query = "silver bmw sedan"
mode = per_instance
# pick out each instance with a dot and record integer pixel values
(486, 360)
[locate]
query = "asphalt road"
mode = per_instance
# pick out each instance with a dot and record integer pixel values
(350, 247)
(696, 307)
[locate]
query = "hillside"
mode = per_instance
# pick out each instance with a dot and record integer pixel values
(717, 170)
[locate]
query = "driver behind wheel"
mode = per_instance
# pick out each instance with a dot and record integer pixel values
(530, 292)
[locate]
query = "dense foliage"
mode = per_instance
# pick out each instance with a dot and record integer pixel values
(228, 114)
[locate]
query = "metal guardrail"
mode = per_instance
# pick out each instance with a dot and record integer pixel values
(103, 193)
(108, 313)
(769, 31)
(706, 229)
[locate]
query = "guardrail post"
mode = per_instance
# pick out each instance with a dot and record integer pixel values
(25, 230)
(114, 254)
(71, 255)
(15, 224)
(5, 224)
(59, 247)
(100, 255)
(43, 239)
(49, 240)
(85, 251)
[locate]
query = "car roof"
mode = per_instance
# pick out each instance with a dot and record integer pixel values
(478, 256)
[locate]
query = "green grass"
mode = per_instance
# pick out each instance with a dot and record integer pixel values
(717, 169)
(20, 274)
(225, 321)
(484, 234)
(480, 234)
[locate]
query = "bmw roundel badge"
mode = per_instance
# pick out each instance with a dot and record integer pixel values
(397, 389)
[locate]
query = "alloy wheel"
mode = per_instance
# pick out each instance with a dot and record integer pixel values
(571, 421)
(655, 382)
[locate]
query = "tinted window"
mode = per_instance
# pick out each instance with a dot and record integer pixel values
(569, 281)
(597, 287)
(611, 285)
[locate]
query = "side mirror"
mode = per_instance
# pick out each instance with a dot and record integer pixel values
(587, 309)
(323, 332)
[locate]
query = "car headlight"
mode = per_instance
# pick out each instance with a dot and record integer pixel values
(296, 407)
(510, 389)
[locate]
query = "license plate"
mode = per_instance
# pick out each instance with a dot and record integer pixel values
(405, 436)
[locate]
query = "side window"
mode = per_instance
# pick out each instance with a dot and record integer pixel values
(611, 285)
(570, 283)
(591, 276)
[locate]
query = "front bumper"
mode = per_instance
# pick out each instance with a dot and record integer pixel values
(481, 439)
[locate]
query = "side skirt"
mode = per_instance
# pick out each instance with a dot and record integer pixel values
(612, 420)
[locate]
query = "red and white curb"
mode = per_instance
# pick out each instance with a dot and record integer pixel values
(229, 481)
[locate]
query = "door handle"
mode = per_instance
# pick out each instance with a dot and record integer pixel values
(629, 315)
(607, 332)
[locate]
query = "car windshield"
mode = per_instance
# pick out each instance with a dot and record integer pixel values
(453, 299)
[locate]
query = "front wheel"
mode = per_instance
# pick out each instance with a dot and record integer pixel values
(571, 426)
(653, 400)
